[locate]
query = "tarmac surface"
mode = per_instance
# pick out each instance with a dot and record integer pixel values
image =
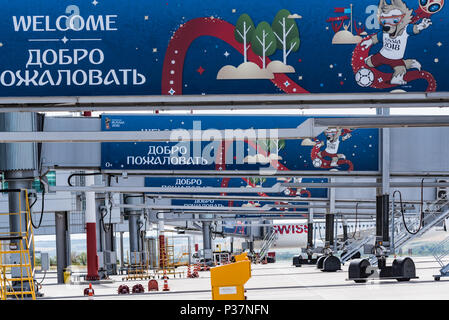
(278, 281)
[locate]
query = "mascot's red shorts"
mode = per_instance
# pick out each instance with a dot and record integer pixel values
(379, 60)
(327, 154)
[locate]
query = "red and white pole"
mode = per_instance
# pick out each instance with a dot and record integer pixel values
(91, 232)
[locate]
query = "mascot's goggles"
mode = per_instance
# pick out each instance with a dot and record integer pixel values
(330, 133)
(391, 21)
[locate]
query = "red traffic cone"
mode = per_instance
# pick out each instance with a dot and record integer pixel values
(89, 291)
(166, 288)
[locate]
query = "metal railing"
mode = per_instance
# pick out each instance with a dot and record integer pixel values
(440, 251)
(267, 242)
(436, 213)
(355, 246)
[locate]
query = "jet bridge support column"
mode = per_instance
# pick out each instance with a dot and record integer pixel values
(110, 249)
(310, 244)
(207, 241)
(133, 221)
(17, 203)
(122, 256)
(91, 233)
(328, 262)
(330, 228)
(99, 204)
(309, 250)
(62, 243)
(19, 162)
(402, 269)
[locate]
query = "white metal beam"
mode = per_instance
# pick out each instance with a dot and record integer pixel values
(305, 130)
(227, 101)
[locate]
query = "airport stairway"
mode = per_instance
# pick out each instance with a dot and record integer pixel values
(267, 242)
(434, 215)
(355, 246)
(440, 252)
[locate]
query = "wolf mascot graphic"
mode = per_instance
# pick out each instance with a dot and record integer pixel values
(329, 158)
(396, 21)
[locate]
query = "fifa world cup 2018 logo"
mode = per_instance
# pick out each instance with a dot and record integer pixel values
(431, 6)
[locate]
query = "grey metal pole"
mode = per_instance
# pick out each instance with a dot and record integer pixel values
(62, 248)
(330, 218)
(392, 226)
(133, 217)
(110, 247)
(207, 241)
(335, 232)
(19, 162)
(189, 245)
(100, 231)
(133, 245)
(122, 264)
(17, 224)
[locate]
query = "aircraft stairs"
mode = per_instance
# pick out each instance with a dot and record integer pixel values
(440, 252)
(267, 242)
(435, 214)
(353, 247)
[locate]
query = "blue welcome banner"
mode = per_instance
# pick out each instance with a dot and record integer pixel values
(334, 149)
(174, 47)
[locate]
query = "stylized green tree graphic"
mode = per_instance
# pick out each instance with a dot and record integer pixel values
(269, 145)
(263, 42)
(286, 33)
(243, 33)
(257, 181)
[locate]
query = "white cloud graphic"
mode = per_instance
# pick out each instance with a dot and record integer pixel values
(247, 70)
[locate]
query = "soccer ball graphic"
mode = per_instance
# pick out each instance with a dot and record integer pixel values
(431, 6)
(317, 162)
(364, 77)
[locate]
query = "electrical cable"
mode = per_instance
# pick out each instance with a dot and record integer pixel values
(319, 231)
(42, 209)
(106, 230)
(110, 211)
(356, 221)
(80, 174)
(35, 200)
(403, 213)
(40, 283)
(213, 230)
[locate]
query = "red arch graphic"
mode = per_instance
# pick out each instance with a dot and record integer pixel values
(172, 70)
(181, 40)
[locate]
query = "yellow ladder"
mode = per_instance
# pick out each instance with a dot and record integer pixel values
(170, 253)
(18, 243)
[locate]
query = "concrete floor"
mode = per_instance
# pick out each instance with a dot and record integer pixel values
(279, 281)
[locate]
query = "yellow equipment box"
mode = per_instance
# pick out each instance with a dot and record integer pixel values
(241, 257)
(227, 281)
(67, 276)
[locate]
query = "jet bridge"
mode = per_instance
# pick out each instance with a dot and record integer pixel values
(85, 153)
